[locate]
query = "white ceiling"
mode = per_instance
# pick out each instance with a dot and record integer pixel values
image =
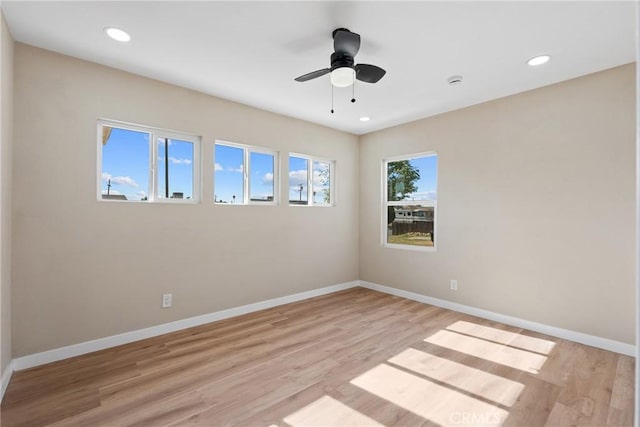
(250, 52)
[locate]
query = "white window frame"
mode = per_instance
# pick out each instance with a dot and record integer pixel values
(246, 168)
(154, 135)
(424, 203)
(310, 160)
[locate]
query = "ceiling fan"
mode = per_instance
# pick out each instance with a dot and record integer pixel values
(343, 71)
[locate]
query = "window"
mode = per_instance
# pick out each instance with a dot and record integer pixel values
(410, 198)
(244, 175)
(144, 164)
(310, 181)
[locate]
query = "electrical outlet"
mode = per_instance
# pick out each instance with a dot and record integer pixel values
(166, 300)
(453, 285)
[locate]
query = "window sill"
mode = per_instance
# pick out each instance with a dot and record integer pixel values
(409, 247)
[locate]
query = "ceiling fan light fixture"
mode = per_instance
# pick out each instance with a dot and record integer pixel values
(343, 76)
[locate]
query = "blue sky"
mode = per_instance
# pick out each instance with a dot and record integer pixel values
(298, 178)
(427, 184)
(229, 179)
(180, 168)
(125, 162)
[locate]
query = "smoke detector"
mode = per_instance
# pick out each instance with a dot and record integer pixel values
(454, 80)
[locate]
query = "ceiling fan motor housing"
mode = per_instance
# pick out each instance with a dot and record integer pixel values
(339, 60)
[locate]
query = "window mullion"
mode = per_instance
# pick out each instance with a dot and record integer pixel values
(153, 164)
(310, 188)
(276, 179)
(245, 177)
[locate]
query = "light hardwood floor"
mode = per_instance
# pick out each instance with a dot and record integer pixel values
(356, 357)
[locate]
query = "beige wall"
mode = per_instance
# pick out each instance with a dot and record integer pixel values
(536, 208)
(84, 269)
(6, 142)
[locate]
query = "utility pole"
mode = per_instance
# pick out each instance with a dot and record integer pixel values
(108, 186)
(301, 188)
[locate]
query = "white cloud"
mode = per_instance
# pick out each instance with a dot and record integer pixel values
(298, 177)
(176, 161)
(114, 192)
(267, 178)
(124, 180)
(239, 169)
(422, 195)
(219, 167)
(120, 180)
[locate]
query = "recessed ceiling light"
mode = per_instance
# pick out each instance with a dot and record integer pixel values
(117, 34)
(365, 119)
(538, 60)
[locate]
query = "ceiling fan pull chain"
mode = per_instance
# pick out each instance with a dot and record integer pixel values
(353, 90)
(331, 99)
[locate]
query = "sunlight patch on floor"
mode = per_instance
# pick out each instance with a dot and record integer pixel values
(440, 390)
(492, 387)
(431, 401)
(498, 353)
(327, 411)
(513, 339)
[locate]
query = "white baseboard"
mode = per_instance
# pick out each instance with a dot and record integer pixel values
(579, 337)
(6, 377)
(54, 355)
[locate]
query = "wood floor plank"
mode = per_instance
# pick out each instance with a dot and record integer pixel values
(589, 386)
(43, 410)
(351, 357)
(535, 404)
(621, 406)
(150, 413)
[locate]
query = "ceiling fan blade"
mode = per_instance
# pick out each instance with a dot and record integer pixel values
(369, 73)
(312, 75)
(346, 42)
